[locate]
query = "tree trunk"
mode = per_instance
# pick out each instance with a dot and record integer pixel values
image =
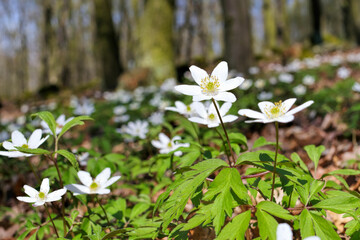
(238, 45)
(315, 8)
(155, 35)
(282, 23)
(47, 42)
(106, 45)
(354, 18)
(269, 24)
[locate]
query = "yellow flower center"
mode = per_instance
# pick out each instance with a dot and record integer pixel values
(169, 145)
(25, 146)
(275, 111)
(41, 195)
(93, 186)
(209, 85)
(212, 117)
(188, 108)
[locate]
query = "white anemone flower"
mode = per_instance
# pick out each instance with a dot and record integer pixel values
(356, 87)
(284, 232)
(166, 145)
(343, 72)
(19, 140)
(42, 197)
(60, 122)
(210, 117)
(214, 86)
(299, 90)
(183, 109)
(156, 118)
(274, 112)
(137, 129)
(97, 185)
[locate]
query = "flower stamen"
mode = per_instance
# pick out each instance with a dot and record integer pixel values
(209, 85)
(275, 111)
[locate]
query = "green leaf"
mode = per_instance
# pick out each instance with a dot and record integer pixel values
(226, 182)
(296, 159)
(49, 119)
(236, 228)
(261, 141)
(275, 210)
(340, 202)
(202, 216)
(314, 153)
(189, 158)
(72, 123)
(315, 187)
(267, 225)
(185, 187)
(114, 233)
(37, 151)
(342, 172)
(26, 233)
(311, 220)
(138, 209)
(238, 138)
(69, 156)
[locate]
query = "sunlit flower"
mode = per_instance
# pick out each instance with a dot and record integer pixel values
(84, 108)
(308, 80)
(19, 140)
(259, 84)
(213, 86)
(286, 78)
(246, 84)
(42, 197)
(299, 90)
(274, 112)
(182, 108)
(166, 145)
(343, 72)
(284, 232)
(97, 185)
(356, 87)
(137, 129)
(156, 118)
(60, 122)
(119, 110)
(210, 117)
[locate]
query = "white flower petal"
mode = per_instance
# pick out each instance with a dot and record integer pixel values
(198, 74)
(225, 108)
(14, 154)
(164, 139)
(61, 120)
(312, 238)
(8, 145)
(198, 120)
(299, 108)
(174, 109)
(102, 177)
(251, 113)
(212, 125)
(157, 144)
(201, 97)
(41, 141)
(231, 84)
(283, 232)
(55, 195)
(285, 118)
(45, 187)
(38, 203)
(288, 104)
(30, 191)
(265, 104)
(221, 71)
(110, 181)
(225, 96)
(200, 109)
(190, 90)
(260, 121)
(85, 178)
(103, 191)
(78, 189)
(35, 139)
(27, 199)
(229, 118)
(18, 138)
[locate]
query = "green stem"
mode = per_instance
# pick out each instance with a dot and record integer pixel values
(33, 170)
(224, 144)
(107, 219)
(47, 210)
(276, 153)
(227, 137)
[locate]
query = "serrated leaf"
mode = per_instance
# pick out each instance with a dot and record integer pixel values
(189, 158)
(36, 151)
(314, 153)
(275, 210)
(238, 138)
(72, 123)
(227, 180)
(236, 228)
(261, 141)
(138, 209)
(342, 202)
(296, 159)
(306, 224)
(114, 233)
(342, 172)
(69, 156)
(49, 119)
(202, 216)
(315, 187)
(267, 225)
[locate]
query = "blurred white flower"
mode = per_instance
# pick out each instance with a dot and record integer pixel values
(259, 84)
(308, 80)
(246, 84)
(274, 112)
(156, 100)
(356, 87)
(156, 118)
(264, 96)
(343, 72)
(299, 90)
(19, 140)
(214, 86)
(93, 186)
(168, 85)
(182, 108)
(254, 70)
(21, 120)
(273, 80)
(134, 105)
(286, 78)
(121, 119)
(283, 232)
(60, 122)
(42, 197)
(84, 108)
(166, 145)
(4, 135)
(210, 117)
(119, 110)
(83, 158)
(136, 129)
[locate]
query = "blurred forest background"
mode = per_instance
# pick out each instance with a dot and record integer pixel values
(100, 43)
